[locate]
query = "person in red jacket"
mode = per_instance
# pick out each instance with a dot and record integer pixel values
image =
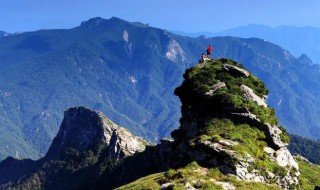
(209, 49)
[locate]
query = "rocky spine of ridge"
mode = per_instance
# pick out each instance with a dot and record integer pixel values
(221, 95)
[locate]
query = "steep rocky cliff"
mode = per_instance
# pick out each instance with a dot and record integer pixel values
(227, 124)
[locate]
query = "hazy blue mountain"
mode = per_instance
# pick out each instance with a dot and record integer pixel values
(195, 34)
(129, 71)
(298, 40)
(110, 65)
(2, 33)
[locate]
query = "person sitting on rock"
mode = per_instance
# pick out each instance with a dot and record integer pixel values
(202, 58)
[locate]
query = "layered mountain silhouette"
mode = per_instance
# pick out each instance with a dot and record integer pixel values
(110, 65)
(2, 34)
(228, 139)
(129, 72)
(298, 40)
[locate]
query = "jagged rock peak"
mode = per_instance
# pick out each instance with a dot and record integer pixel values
(304, 59)
(85, 130)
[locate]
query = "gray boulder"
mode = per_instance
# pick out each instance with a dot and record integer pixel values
(249, 94)
(236, 71)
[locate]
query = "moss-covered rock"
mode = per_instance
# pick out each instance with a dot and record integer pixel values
(227, 124)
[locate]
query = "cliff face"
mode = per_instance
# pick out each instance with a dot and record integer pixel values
(87, 130)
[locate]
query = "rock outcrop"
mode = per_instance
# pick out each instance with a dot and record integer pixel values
(230, 99)
(87, 130)
(273, 137)
(236, 71)
(249, 94)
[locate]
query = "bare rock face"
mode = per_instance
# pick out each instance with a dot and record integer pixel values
(120, 141)
(284, 158)
(215, 87)
(249, 94)
(85, 130)
(234, 70)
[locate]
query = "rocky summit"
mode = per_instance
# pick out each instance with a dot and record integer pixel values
(231, 127)
(228, 138)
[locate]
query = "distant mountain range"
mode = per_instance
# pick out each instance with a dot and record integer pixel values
(2, 34)
(298, 40)
(125, 70)
(129, 71)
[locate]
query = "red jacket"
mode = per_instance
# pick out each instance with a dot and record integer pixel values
(209, 48)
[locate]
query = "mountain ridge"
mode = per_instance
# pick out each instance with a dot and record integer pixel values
(129, 73)
(298, 40)
(2, 33)
(123, 76)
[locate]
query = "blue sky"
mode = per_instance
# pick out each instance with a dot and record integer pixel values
(177, 15)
